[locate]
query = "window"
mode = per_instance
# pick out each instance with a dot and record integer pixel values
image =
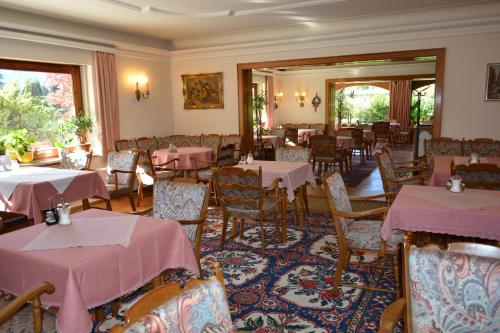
(38, 97)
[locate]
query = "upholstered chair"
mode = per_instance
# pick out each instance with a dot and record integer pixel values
(485, 147)
(326, 153)
(382, 132)
(183, 202)
(148, 144)
(442, 146)
(233, 139)
(163, 142)
(392, 179)
(406, 168)
(125, 144)
(357, 232)
(201, 306)
(452, 290)
(242, 196)
(292, 136)
(180, 140)
(79, 160)
(13, 315)
(194, 140)
(478, 175)
(210, 141)
(224, 157)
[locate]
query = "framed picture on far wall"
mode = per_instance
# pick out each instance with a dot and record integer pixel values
(493, 82)
(203, 91)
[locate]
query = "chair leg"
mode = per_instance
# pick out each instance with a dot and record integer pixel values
(242, 228)
(85, 204)
(140, 194)
(304, 196)
(234, 226)
(37, 315)
(262, 236)
(276, 223)
(342, 264)
(223, 235)
(131, 199)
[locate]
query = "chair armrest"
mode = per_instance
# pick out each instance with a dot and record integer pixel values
(372, 196)
(166, 163)
(273, 186)
(357, 215)
(32, 293)
(121, 171)
(406, 179)
(210, 162)
(391, 316)
(198, 221)
(412, 168)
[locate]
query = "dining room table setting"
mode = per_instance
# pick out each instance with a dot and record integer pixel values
(26, 190)
(185, 156)
(95, 259)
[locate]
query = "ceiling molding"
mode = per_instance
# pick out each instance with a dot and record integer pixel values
(388, 34)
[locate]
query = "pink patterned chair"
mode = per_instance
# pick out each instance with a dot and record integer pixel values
(356, 233)
(453, 290)
(163, 142)
(394, 179)
(125, 144)
(180, 140)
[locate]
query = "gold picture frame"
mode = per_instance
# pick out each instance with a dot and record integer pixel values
(203, 91)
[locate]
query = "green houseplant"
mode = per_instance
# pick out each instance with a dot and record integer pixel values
(20, 141)
(3, 147)
(82, 125)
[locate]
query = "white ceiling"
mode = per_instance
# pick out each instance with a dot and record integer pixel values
(178, 20)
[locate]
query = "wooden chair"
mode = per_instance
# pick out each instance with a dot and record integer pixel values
(478, 175)
(224, 156)
(406, 168)
(162, 142)
(80, 160)
(233, 139)
(148, 144)
(382, 132)
(148, 171)
(485, 147)
(292, 136)
(326, 154)
(180, 140)
(242, 196)
(32, 295)
(452, 290)
(296, 154)
(201, 306)
(442, 146)
(10, 221)
(360, 143)
(211, 141)
(391, 180)
(125, 144)
(355, 232)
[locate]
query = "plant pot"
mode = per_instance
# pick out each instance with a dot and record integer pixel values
(27, 157)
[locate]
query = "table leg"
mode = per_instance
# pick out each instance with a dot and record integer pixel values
(99, 313)
(284, 200)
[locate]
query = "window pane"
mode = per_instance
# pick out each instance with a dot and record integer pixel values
(37, 101)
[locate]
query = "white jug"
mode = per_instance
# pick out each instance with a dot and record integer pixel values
(474, 158)
(456, 184)
(249, 158)
(64, 212)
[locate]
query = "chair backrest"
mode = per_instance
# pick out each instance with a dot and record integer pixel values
(442, 146)
(358, 137)
(79, 160)
(148, 144)
(238, 188)
(234, 139)
(292, 135)
(454, 290)
(145, 163)
(338, 200)
(225, 157)
(385, 166)
(381, 129)
(194, 140)
(303, 125)
(485, 147)
(478, 175)
(201, 306)
(179, 140)
(211, 141)
(319, 127)
(162, 142)
(323, 145)
(293, 154)
(125, 160)
(179, 201)
(125, 144)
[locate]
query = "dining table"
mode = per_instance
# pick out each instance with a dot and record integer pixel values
(27, 190)
(432, 209)
(304, 134)
(441, 170)
(345, 142)
(292, 174)
(99, 257)
(185, 155)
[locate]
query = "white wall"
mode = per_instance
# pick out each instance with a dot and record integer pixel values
(465, 112)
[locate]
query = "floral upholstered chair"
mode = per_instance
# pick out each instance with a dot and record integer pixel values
(483, 147)
(200, 307)
(242, 196)
(180, 140)
(394, 179)
(211, 141)
(233, 139)
(183, 202)
(406, 168)
(79, 160)
(224, 157)
(454, 290)
(14, 314)
(125, 144)
(442, 146)
(121, 174)
(361, 235)
(478, 175)
(163, 142)
(148, 144)
(296, 154)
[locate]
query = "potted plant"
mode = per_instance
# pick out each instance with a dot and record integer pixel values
(82, 125)
(3, 147)
(20, 141)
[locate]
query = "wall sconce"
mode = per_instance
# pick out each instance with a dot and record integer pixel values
(300, 98)
(138, 93)
(277, 99)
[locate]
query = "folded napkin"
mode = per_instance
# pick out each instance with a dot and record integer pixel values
(88, 231)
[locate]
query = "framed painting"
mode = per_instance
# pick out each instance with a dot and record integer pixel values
(493, 82)
(203, 91)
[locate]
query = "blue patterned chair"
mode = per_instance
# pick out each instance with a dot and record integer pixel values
(233, 139)
(148, 144)
(478, 175)
(79, 160)
(224, 157)
(442, 146)
(210, 141)
(242, 196)
(392, 179)
(356, 233)
(454, 290)
(183, 202)
(14, 314)
(406, 168)
(483, 147)
(121, 174)
(125, 144)
(200, 307)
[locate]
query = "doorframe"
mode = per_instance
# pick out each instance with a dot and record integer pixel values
(244, 72)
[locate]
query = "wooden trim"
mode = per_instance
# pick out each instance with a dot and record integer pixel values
(439, 53)
(73, 70)
(384, 78)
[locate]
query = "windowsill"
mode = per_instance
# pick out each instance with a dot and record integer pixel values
(44, 162)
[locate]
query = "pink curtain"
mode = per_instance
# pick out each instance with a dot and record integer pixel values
(107, 101)
(400, 96)
(270, 111)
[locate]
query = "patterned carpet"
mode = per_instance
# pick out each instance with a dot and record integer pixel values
(286, 287)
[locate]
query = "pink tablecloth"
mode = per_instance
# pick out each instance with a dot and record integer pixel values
(345, 142)
(184, 155)
(474, 213)
(29, 198)
(305, 134)
(294, 174)
(442, 167)
(86, 277)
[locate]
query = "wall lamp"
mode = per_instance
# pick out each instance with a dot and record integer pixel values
(300, 98)
(138, 93)
(277, 99)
